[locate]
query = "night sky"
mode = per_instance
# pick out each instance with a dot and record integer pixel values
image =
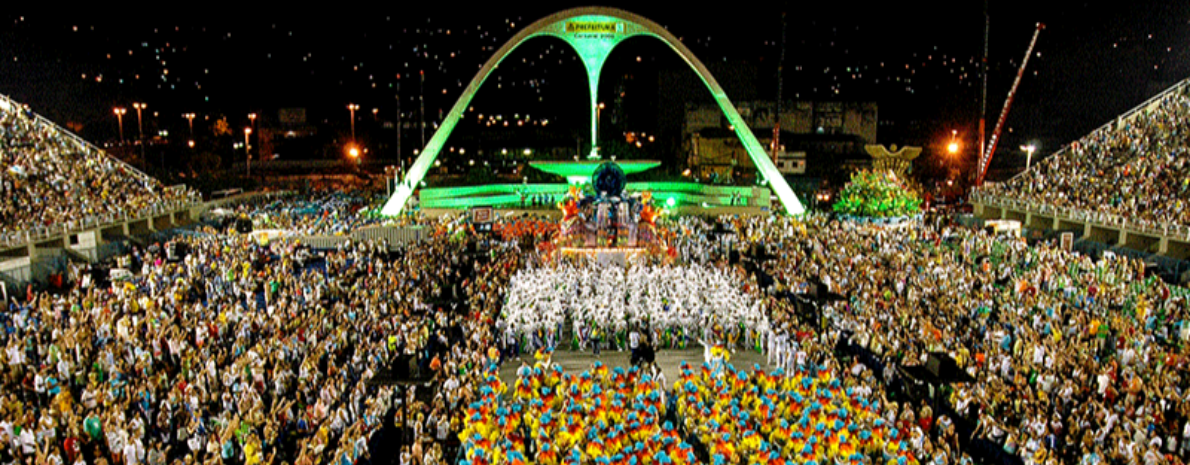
(921, 64)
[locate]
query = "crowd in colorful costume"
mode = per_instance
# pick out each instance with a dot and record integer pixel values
(718, 415)
(806, 416)
(600, 416)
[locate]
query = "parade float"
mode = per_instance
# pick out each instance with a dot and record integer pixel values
(602, 219)
(878, 198)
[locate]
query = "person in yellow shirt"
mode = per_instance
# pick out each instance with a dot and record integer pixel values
(252, 450)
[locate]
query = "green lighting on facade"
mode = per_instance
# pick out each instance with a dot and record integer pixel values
(670, 194)
(579, 172)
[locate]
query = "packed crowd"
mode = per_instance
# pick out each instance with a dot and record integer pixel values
(808, 415)
(1136, 168)
(238, 354)
(717, 415)
(1073, 360)
(599, 416)
(529, 230)
(314, 213)
(49, 178)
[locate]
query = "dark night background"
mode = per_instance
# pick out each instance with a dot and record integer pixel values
(920, 63)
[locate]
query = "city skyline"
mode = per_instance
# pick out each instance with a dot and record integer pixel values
(1087, 67)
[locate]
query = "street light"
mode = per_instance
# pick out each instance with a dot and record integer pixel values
(247, 151)
(119, 111)
(352, 107)
(190, 120)
(252, 118)
(139, 127)
(953, 147)
(1028, 149)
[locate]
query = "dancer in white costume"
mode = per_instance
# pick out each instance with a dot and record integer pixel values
(687, 299)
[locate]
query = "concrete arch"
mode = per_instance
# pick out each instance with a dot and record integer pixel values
(593, 32)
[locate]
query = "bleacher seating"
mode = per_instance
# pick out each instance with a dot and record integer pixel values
(49, 178)
(1136, 168)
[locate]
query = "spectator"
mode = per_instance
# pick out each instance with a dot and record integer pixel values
(50, 178)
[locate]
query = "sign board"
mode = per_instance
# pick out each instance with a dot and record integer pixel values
(265, 236)
(1010, 228)
(594, 27)
(292, 116)
(481, 215)
(1067, 241)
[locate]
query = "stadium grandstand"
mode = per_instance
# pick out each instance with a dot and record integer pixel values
(54, 182)
(1133, 171)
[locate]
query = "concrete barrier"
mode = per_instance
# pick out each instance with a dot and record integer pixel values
(1040, 222)
(17, 270)
(989, 212)
(1068, 225)
(1164, 240)
(1177, 249)
(1102, 235)
(1139, 242)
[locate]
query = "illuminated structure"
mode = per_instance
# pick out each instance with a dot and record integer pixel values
(593, 32)
(894, 161)
(579, 172)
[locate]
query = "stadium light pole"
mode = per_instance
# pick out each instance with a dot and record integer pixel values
(1028, 149)
(119, 111)
(252, 121)
(351, 107)
(140, 128)
(190, 122)
(248, 153)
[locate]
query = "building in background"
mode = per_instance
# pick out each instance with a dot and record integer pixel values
(818, 139)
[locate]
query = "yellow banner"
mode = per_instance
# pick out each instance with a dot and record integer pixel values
(584, 27)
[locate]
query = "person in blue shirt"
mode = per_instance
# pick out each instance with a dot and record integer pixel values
(52, 386)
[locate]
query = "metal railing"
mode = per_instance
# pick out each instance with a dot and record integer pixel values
(1153, 228)
(394, 235)
(42, 233)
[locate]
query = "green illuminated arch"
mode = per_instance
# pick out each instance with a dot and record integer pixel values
(594, 32)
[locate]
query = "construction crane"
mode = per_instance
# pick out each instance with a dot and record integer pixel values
(985, 158)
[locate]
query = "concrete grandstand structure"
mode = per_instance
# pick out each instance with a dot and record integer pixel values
(26, 252)
(1135, 219)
